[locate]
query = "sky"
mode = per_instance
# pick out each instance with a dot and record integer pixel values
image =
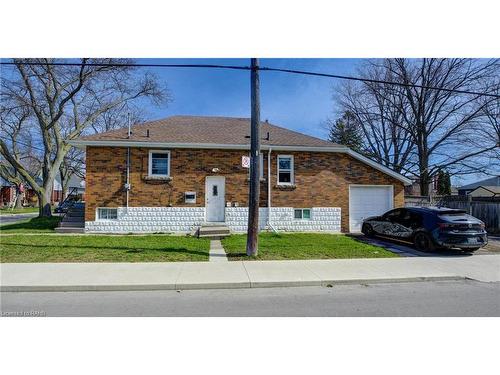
(301, 103)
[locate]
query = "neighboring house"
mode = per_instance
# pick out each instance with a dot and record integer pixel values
(486, 191)
(414, 189)
(466, 189)
(186, 170)
(8, 194)
(76, 186)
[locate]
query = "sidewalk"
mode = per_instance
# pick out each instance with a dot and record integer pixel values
(247, 274)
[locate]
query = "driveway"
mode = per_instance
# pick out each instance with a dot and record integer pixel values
(493, 247)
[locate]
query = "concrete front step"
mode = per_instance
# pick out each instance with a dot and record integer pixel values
(70, 230)
(72, 224)
(214, 231)
(74, 219)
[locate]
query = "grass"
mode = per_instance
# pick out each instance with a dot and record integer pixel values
(35, 225)
(303, 246)
(24, 210)
(102, 248)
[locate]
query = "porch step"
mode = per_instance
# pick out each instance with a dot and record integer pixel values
(73, 221)
(70, 230)
(72, 224)
(214, 231)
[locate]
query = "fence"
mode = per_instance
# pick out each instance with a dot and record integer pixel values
(486, 209)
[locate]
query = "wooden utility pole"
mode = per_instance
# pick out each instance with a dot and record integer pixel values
(253, 199)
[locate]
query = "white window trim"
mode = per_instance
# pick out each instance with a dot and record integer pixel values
(292, 167)
(98, 217)
(193, 201)
(302, 210)
(150, 163)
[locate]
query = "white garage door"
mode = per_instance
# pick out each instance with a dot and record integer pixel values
(365, 201)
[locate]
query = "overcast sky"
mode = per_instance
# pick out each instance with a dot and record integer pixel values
(301, 103)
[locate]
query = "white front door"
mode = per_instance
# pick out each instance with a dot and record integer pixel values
(366, 201)
(214, 198)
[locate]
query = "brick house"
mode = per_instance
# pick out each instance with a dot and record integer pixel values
(185, 171)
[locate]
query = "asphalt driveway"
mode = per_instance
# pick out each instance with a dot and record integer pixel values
(404, 250)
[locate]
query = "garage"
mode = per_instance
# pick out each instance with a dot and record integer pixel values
(368, 200)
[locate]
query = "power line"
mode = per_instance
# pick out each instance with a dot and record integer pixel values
(128, 65)
(235, 67)
(24, 144)
(379, 81)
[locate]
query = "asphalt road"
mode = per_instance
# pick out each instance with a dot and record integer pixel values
(439, 298)
(8, 219)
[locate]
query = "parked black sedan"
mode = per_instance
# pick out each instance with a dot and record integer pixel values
(429, 228)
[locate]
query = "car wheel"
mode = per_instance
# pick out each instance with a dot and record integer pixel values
(423, 242)
(367, 230)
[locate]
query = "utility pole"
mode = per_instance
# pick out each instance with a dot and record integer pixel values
(253, 199)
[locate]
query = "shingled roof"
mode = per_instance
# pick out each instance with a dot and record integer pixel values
(208, 130)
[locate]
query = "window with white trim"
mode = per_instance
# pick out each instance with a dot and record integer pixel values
(261, 164)
(190, 197)
(285, 170)
(159, 163)
(107, 213)
(302, 213)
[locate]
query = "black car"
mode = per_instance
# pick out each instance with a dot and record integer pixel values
(429, 228)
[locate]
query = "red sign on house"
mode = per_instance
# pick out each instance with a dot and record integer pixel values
(245, 161)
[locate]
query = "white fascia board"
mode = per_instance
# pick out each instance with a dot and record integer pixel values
(125, 143)
(342, 149)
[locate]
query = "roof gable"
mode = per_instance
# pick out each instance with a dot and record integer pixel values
(493, 181)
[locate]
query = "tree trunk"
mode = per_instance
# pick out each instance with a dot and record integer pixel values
(44, 208)
(19, 198)
(424, 184)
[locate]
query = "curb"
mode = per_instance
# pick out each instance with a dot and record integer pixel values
(222, 285)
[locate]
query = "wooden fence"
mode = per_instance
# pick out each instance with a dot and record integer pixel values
(486, 209)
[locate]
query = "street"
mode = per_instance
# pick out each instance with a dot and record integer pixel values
(9, 219)
(437, 298)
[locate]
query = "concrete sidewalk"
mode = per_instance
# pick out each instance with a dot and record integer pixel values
(247, 274)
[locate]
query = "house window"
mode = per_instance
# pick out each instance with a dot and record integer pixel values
(107, 213)
(302, 213)
(261, 164)
(285, 170)
(159, 163)
(190, 197)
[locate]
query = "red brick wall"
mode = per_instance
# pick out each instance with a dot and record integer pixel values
(321, 179)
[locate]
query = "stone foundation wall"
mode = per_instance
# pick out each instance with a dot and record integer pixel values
(150, 220)
(187, 219)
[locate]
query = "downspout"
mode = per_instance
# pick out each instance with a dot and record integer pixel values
(127, 185)
(269, 191)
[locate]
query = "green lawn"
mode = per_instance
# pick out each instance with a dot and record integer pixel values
(303, 246)
(35, 225)
(101, 248)
(24, 210)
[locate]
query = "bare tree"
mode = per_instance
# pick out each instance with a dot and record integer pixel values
(440, 128)
(13, 130)
(64, 101)
(373, 105)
